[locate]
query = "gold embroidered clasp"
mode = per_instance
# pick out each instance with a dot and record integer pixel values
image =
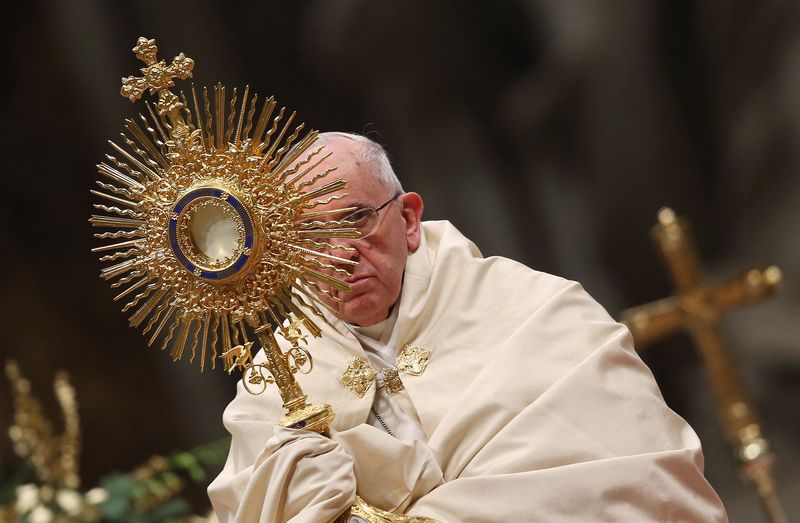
(359, 374)
(391, 380)
(413, 360)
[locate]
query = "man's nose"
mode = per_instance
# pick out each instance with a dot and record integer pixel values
(346, 250)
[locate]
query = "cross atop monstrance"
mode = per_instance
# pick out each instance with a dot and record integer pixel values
(697, 307)
(158, 77)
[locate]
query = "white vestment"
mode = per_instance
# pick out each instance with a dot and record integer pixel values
(379, 343)
(535, 405)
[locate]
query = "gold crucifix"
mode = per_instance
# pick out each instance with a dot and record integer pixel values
(158, 77)
(697, 307)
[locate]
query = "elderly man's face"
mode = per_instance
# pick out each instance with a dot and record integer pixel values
(376, 280)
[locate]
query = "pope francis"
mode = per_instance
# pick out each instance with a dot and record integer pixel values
(465, 389)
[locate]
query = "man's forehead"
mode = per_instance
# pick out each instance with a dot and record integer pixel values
(362, 187)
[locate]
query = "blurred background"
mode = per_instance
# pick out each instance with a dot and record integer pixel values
(548, 131)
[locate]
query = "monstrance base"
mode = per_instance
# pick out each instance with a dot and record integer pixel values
(317, 417)
(363, 512)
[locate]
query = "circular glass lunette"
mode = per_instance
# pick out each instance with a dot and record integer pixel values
(211, 233)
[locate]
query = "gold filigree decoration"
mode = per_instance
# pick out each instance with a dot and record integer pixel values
(157, 77)
(413, 360)
(361, 511)
(392, 381)
(358, 376)
(213, 224)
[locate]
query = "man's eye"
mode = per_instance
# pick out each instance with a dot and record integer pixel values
(358, 217)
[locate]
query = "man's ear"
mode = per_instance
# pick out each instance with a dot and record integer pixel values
(412, 207)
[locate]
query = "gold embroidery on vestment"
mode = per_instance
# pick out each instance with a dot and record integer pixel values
(391, 380)
(359, 374)
(413, 360)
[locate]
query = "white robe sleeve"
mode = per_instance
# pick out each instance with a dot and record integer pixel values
(299, 476)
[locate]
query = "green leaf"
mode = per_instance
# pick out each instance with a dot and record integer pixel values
(184, 460)
(198, 474)
(120, 490)
(172, 509)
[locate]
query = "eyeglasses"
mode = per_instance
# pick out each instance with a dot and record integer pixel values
(367, 219)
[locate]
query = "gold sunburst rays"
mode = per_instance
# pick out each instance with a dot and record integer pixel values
(214, 234)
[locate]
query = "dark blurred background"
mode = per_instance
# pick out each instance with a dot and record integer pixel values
(548, 131)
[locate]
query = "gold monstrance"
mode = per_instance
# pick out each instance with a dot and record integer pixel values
(215, 237)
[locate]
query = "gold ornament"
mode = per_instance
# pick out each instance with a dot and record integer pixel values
(157, 77)
(359, 375)
(214, 234)
(363, 512)
(413, 360)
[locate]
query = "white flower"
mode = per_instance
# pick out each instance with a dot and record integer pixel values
(96, 496)
(70, 501)
(27, 497)
(41, 514)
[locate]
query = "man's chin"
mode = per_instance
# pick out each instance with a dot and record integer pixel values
(360, 310)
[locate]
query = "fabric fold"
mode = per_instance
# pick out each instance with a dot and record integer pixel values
(300, 476)
(390, 473)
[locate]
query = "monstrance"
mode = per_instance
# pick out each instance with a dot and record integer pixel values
(216, 237)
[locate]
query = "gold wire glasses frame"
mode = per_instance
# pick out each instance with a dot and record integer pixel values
(367, 219)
